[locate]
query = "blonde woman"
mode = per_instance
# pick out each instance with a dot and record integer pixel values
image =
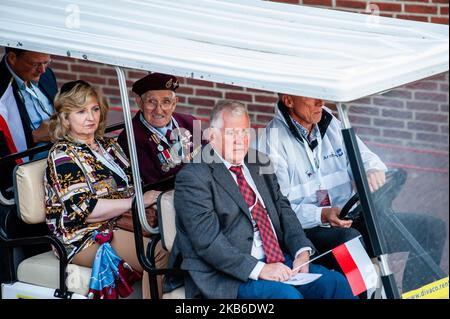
(88, 181)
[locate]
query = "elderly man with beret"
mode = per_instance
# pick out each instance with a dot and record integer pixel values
(164, 138)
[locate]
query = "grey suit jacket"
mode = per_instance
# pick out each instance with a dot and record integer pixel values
(214, 229)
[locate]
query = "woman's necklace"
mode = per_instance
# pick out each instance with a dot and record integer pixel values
(94, 146)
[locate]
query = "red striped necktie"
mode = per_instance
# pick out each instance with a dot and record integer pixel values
(271, 247)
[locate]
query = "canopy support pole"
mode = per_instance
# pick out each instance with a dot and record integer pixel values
(133, 154)
(362, 187)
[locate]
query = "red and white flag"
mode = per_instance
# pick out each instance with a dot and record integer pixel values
(11, 123)
(356, 265)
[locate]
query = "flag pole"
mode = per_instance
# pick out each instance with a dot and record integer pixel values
(317, 257)
(311, 260)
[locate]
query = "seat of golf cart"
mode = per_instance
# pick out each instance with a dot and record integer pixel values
(42, 269)
(167, 228)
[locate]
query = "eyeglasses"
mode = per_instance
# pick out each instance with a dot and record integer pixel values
(166, 103)
(229, 132)
(36, 65)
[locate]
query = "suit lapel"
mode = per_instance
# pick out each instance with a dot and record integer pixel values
(225, 180)
(25, 118)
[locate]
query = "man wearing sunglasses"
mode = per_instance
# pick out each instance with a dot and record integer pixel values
(164, 138)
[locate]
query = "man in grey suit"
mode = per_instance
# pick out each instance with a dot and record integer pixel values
(237, 236)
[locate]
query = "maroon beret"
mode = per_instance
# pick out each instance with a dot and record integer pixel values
(155, 81)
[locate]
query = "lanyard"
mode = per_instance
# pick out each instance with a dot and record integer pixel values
(33, 93)
(159, 135)
(155, 131)
(39, 102)
(109, 162)
(313, 159)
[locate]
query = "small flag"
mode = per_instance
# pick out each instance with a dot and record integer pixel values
(356, 265)
(11, 124)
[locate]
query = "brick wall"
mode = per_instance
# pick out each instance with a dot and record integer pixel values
(435, 11)
(414, 115)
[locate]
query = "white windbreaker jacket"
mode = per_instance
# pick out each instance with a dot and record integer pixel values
(296, 165)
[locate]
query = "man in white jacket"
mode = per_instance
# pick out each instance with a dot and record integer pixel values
(305, 144)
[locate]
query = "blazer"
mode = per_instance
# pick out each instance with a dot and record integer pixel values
(150, 157)
(214, 229)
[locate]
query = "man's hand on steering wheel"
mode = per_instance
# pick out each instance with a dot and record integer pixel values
(376, 179)
(384, 186)
(331, 215)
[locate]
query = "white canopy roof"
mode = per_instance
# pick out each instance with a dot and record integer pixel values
(277, 47)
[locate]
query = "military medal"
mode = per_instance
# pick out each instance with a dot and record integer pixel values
(173, 155)
(161, 158)
(155, 139)
(166, 154)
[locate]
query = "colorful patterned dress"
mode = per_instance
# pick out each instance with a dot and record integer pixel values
(74, 181)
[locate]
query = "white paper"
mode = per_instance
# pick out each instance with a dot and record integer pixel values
(302, 279)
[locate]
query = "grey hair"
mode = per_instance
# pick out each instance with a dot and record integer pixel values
(234, 107)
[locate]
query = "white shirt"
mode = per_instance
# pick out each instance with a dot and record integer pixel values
(39, 107)
(257, 247)
(301, 172)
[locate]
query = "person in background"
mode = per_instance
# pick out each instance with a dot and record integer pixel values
(164, 138)
(88, 182)
(305, 143)
(27, 89)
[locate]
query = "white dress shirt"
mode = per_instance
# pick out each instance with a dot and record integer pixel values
(257, 248)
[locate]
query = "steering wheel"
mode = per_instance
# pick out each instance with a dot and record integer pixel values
(382, 198)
